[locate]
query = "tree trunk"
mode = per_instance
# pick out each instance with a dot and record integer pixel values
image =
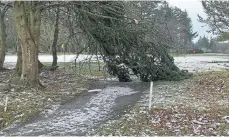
(2, 39)
(18, 70)
(28, 20)
(55, 40)
(40, 65)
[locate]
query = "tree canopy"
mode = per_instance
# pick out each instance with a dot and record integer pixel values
(217, 16)
(130, 36)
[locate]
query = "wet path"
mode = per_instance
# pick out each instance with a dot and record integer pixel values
(85, 112)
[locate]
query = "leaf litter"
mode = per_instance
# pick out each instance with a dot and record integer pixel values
(26, 103)
(197, 106)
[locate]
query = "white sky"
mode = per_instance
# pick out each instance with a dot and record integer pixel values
(193, 7)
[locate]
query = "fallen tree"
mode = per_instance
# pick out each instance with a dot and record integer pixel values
(129, 45)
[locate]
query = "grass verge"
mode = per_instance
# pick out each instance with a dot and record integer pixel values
(209, 89)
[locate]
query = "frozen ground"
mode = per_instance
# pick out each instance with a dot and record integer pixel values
(201, 63)
(84, 113)
(110, 100)
(191, 63)
(48, 58)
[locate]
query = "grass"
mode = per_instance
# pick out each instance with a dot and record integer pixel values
(202, 54)
(206, 88)
(85, 70)
(210, 81)
(62, 64)
(25, 103)
(62, 53)
(13, 113)
(58, 53)
(166, 122)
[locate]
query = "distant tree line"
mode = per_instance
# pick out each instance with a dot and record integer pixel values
(206, 44)
(218, 21)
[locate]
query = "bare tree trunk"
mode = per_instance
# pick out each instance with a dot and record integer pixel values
(2, 39)
(18, 70)
(54, 45)
(40, 65)
(28, 20)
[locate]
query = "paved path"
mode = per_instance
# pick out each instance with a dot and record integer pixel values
(85, 112)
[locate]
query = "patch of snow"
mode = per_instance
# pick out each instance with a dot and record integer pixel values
(200, 63)
(61, 58)
(95, 90)
(190, 63)
(75, 121)
(197, 122)
(226, 118)
(51, 110)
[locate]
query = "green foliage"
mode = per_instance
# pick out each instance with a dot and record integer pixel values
(126, 45)
(217, 16)
(178, 27)
(223, 37)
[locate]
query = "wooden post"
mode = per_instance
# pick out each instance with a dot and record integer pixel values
(150, 94)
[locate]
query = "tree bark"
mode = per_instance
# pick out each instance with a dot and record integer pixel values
(18, 69)
(28, 20)
(55, 39)
(2, 39)
(40, 65)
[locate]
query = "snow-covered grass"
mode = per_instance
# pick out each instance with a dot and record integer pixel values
(201, 63)
(25, 103)
(61, 58)
(193, 63)
(79, 69)
(175, 121)
(201, 54)
(197, 106)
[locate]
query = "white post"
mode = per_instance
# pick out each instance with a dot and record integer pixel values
(150, 94)
(6, 104)
(64, 54)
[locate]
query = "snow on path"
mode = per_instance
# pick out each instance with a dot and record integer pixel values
(76, 118)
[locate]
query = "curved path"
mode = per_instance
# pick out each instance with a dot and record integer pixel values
(85, 112)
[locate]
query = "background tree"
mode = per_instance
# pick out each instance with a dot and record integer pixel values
(28, 19)
(127, 38)
(223, 37)
(2, 35)
(202, 42)
(217, 16)
(55, 39)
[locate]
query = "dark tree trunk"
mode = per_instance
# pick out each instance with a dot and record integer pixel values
(55, 40)
(40, 65)
(19, 62)
(2, 39)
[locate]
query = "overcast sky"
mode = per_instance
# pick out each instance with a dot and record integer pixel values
(193, 7)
